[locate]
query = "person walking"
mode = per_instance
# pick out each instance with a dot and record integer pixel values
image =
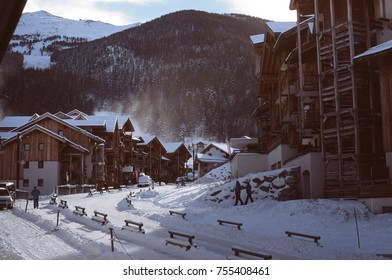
(248, 189)
(237, 192)
(35, 193)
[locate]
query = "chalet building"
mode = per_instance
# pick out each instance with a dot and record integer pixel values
(117, 133)
(46, 151)
(150, 157)
(324, 98)
(212, 156)
(178, 156)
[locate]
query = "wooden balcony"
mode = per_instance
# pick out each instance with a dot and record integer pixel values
(290, 109)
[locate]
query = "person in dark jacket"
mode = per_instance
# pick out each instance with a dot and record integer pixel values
(248, 189)
(237, 192)
(35, 193)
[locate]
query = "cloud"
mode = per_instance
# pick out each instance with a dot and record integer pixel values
(121, 12)
(276, 10)
(90, 9)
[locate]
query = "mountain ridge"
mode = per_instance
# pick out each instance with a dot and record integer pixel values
(39, 34)
(185, 74)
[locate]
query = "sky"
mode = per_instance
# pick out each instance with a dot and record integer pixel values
(122, 12)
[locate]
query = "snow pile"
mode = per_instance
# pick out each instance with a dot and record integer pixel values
(220, 173)
(281, 184)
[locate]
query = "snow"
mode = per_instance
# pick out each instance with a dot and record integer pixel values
(386, 46)
(280, 27)
(257, 39)
(36, 234)
(41, 29)
(48, 25)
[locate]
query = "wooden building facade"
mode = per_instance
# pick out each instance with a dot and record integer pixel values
(341, 95)
(74, 148)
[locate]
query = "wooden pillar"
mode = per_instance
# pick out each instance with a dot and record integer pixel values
(336, 89)
(354, 87)
(300, 73)
(319, 72)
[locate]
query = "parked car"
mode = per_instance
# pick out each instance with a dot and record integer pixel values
(6, 200)
(182, 180)
(144, 180)
(9, 186)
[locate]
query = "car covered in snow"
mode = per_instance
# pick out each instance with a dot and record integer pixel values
(10, 186)
(144, 180)
(6, 199)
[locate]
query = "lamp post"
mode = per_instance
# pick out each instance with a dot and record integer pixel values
(192, 148)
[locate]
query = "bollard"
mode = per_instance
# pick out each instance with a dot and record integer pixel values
(111, 238)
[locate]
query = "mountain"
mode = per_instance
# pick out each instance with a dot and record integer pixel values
(185, 74)
(39, 34)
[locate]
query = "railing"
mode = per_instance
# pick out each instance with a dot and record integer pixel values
(289, 107)
(312, 119)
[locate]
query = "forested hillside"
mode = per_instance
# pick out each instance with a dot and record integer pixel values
(188, 73)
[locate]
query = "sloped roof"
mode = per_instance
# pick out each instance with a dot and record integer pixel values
(47, 132)
(107, 122)
(379, 50)
(172, 147)
(57, 119)
(14, 121)
(280, 27)
(75, 113)
(211, 158)
(257, 39)
(220, 146)
(62, 115)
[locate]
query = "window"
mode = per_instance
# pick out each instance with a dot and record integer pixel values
(40, 182)
(41, 146)
(26, 165)
(40, 164)
(61, 133)
(26, 147)
(26, 183)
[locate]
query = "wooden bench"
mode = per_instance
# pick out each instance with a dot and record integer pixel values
(81, 211)
(316, 238)
(230, 223)
(190, 237)
(138, 224)
(109, 189)
(179, 243)
(63, 204)
(238, 250)
(100, 217)
(92, 191)
(177, 213)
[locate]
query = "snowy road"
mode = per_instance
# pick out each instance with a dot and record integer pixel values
(34, 234)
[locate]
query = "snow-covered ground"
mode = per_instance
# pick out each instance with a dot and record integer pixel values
(51, 232)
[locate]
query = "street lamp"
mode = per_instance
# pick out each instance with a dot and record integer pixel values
(193, 149)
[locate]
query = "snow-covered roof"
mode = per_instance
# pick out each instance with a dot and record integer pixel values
(257, 39)
(51, 134)
(220, 146)
(14, 121)
(147, 139)
(172, 147)
(57, 119)
(89, 122)
(211, 158)
(376, 50)
(7, 135)
(279, 27)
